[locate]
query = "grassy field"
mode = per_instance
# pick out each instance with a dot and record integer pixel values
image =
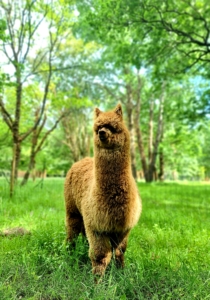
(168, 255)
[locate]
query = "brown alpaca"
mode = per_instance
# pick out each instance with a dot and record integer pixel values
(101, 196)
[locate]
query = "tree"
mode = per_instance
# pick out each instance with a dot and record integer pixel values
(187, 25)
(127, 88)
(149, 163)
(38, 142)
(77, 134)
(169, 26)
(171, 36)
(169, 39)
(24, 20)
(3, 38)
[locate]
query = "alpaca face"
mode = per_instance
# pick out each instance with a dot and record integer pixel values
(109, 130)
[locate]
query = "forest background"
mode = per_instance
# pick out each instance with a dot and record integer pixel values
(60, 59)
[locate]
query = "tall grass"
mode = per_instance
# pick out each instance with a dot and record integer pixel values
(168, 255)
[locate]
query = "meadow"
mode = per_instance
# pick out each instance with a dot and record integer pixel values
(168, 255)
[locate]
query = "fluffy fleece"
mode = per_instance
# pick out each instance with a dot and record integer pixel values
(101, 196)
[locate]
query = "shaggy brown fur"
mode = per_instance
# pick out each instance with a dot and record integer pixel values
(101, 196)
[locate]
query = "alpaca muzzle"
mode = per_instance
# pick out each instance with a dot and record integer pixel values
(102, 135)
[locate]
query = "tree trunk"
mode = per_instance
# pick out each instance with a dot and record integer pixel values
(18, 153)
(15, 130)
(30, 167)
(150, 143)
(13, 168)
(130, 108)
(152, 173)
(16, 125)
(151, 169)
(161, 166)
(138, 131)
(132, 147)
(141, 151)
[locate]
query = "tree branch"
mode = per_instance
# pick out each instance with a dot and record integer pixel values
(47, 133)
(6, 116)
(171, 28)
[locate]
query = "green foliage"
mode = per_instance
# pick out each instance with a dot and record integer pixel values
(3, 27)
(88, 45)
(183, 149)
(167, 256)
(5, 146)
(4, 78)
(205, 144)
(166, 29)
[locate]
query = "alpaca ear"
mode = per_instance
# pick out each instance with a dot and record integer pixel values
(118, 110)
(97, 112)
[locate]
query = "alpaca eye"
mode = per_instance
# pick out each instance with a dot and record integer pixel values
(98, 128)
(112, 129)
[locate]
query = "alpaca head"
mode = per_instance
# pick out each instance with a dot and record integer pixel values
(109, 129)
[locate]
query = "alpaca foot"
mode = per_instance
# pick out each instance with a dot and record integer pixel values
(119, 258)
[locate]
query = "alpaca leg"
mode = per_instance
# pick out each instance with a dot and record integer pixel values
(74, 225)
(120, 244)
(100, 252)
(119, 254)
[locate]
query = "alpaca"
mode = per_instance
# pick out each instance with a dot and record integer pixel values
(101, 196)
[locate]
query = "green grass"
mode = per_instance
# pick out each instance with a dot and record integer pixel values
(168, 255)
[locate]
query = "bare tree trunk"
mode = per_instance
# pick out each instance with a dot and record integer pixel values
(13, 168)
(151, 171)
(161, 166)
(27, 173)
(141, 151)
(159, 133)
(138, 129)
(31, 164)
(132, 142)
(150, 143)
(130, 109)
(16, 124)
(15, 131)
(18, 154)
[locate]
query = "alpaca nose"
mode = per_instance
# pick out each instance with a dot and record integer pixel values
(102, 134)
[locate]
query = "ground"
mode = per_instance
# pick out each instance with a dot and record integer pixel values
(167, 258)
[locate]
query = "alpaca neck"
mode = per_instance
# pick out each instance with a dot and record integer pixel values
(111, 165)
